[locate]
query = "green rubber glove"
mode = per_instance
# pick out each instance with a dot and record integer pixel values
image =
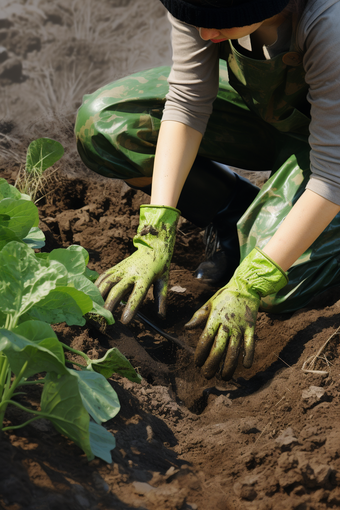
(148, 265)
(230, 315)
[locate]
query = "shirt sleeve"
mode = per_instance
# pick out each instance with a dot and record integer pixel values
(194, 77)
(320, 40)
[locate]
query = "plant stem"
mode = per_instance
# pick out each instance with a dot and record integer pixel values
(39, 414)
(22, 425)
(75, 352)
(4, 364)
(39, 381)
(9, 390)
(77, 364)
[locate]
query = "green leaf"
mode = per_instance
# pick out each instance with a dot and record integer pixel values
(23, 196)
(80, 249)
(63, 304)
(40, 333)
(19, 216)
(91, 274)
(102, 442)
(25, 279)
(62, 402)
(72, 260)
(7, 236)
(98, 396)
(82, 284)
(39, 357)
(8, 191)
(35, 331)
(35, 238)
(41, 154)
(103, 312)
(114, 362)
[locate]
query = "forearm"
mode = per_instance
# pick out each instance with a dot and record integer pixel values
(306, 221)
(177, 147)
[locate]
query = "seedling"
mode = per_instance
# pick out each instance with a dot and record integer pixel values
(41, 155)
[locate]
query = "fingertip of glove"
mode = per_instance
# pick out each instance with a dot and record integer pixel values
(228, 376)
(248, 361)
(191, 324)
(127, 316)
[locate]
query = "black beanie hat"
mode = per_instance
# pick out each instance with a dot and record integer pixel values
(223, 13)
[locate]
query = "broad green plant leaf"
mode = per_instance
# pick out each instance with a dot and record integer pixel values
(98, 396)
(82, 284)
(91, 274)
(44, 356)
(41, 154)
(114, 362)
(103, 312)
(72, 260)
(7, 236)
(81, 250)
(62, 402)
(40, 333)
(101, 441)
(35, 331)
(35, 238)
(8, 191)
(25, 279)
(19, 216)
(63, 304)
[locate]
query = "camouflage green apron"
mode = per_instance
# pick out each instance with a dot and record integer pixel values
(259, 122)
(280, 99)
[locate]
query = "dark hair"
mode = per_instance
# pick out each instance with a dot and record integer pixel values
(224, 13)
(213, 3)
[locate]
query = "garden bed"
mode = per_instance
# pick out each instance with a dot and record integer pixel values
(268, 439)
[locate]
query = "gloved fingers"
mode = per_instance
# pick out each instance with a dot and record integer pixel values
(249, 347)
(199, 317)
(233, 352)
(205, 342)
(212, 364)
(117, 293)
(106, 281)
(135, 300)
(101, 278)
(160, 291)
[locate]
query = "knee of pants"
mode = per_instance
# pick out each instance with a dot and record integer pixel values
(117, 133)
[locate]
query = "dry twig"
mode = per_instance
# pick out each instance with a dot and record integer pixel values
(309, 364)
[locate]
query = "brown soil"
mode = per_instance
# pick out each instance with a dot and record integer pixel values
(267, 440)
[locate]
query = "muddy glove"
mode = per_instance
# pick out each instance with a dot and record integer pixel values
(148, 265)
(230, 315)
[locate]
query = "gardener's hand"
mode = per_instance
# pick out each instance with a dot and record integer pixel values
(230, 315)
(148, 265)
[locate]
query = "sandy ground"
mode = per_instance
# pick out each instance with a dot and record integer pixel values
(267, 440)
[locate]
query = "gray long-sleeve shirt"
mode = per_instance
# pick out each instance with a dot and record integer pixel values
(194, 78)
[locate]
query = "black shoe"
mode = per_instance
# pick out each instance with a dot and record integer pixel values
(218, 266)
(217, 270)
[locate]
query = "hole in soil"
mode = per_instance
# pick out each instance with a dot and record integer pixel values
(159, 349)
